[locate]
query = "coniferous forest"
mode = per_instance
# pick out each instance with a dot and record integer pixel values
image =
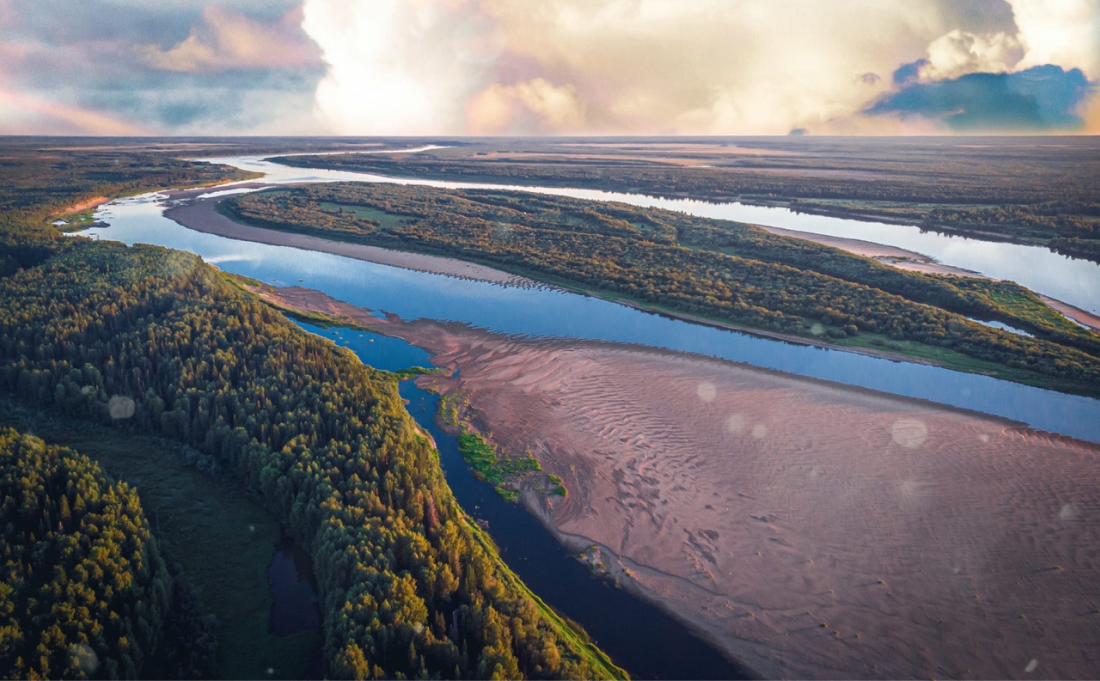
(85, 589)
(153, 341)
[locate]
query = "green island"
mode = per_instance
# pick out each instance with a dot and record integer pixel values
(707, 270)
(169, 364)
(1043, 194)
(483, 456)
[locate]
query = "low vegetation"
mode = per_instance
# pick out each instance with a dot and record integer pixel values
(1043, 194)
(487, 463)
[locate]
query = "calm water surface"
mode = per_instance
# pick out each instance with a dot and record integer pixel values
(293, 590)
(553, 313)
(1076, 282)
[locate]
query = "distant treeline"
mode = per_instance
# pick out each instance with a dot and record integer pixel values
(712, 268)
(1038, 194)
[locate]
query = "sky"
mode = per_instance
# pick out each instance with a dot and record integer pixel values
(549, 67)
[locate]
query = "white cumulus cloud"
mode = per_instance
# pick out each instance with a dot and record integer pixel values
(658, 66)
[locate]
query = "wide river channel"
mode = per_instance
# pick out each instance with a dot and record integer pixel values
(547, 312)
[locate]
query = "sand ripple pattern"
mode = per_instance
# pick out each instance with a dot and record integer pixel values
(866, 535)
(809, 529)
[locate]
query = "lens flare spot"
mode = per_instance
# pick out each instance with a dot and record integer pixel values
(1031, 665)
(707, 391)
(1068, 512)
(909, 433)
(817, 329)
(759, 431)
(85, 658)
(121, 407)
(735, 423)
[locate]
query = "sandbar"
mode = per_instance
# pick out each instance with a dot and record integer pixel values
(807, 529)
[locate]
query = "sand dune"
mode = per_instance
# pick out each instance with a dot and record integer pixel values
(810, 530)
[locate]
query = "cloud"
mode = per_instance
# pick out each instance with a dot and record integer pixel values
(534, 106)
(174, 66)
(606, 66)
(551, 67)
(957, 53)
(398, 67)
(42, 117)
(1061, 32)
(227, 40)
(1037, 99)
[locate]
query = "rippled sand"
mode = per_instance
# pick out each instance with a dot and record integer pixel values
(808, 529)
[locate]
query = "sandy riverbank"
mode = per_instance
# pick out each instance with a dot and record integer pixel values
(806, 528)
(889, 255)
(1075, 313)
(201, 216)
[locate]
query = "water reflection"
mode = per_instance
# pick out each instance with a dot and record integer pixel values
(293, 590)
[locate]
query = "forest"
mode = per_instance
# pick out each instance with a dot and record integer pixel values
(1028, 191)
(713, 269)
(85, 592)
(147, 340)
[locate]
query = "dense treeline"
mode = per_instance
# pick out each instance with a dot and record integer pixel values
(764, 281)
(84, 590)
(1023, 192)
(407, 588)
(36, 187)
(40, 185)
(153, 340)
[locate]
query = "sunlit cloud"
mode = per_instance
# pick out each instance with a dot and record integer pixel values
(452, 67)
(42, 117)
(228, 40)
(1065, 33)
(658, 66)
(959, 53)
(397, 67)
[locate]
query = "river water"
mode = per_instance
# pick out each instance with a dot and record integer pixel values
(554, 313)
(640, 639)
(638, 636)
(1074, 281)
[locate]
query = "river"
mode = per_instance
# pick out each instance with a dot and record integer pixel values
(637, 635)
(546, 312)
(555, 313)
(1073, 281)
